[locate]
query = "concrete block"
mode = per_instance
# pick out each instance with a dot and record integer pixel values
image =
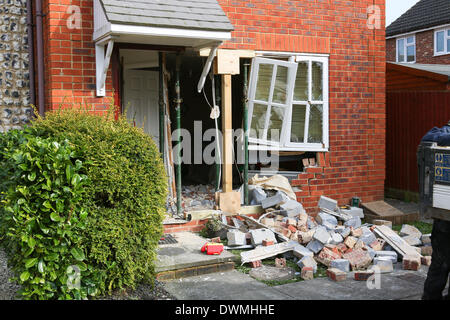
(408, 230)
(310, 223)
(341, 264)
(379, 222)
(272, 201)
(344, 231)
(300, 251)
(315, 246)
(354, 222)
(236, 238)
(336, 274)
(322, 235)
(336, 238)
(327, 203)
(257, 195)
(411, 263)
(291, 208)
(307, 262)
(368, 238)
(387, 254)
(325, 217)
(258, 235)
(384, 264)
(412, 240)
(354, 212)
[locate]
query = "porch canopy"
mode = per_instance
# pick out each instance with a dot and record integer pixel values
(183, 23)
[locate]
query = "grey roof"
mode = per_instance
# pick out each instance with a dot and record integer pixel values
(424, 14)
(443, 69)
(190, 14)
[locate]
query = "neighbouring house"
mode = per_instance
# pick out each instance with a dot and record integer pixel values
(315, 72)
(418, 89)
(421, 34)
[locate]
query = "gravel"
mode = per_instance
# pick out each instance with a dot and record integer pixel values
(8, 290)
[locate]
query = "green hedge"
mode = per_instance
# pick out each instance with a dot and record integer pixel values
(125, 199)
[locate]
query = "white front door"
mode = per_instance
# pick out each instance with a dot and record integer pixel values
(141, 96)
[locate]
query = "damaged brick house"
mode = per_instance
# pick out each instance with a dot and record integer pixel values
(315, 70)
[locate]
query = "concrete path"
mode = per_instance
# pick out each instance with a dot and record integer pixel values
(234, 285)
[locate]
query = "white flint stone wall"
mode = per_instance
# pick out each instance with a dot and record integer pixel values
(15, 109)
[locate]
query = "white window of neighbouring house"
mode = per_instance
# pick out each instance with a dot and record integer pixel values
(406, 49)
(296, 119)
(442, 42)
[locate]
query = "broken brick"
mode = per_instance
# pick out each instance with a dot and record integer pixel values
(326, 256)
(292, 228)
(426, 261)
(216, 240)
(411, 263)
(350, 242)
(426, 250)
(307, 273)
(267, 243)
(280, 262)
(336, 274)
(342, 247)
(363, 275)
(378, 244)
(359, 259)
(256, 264)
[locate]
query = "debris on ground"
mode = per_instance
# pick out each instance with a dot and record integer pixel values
(335, 238)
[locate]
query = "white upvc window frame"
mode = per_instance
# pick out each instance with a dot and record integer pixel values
(446, 32)
(405, 48)
(292, 71)
(285, 136)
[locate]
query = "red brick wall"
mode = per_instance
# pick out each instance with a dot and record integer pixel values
(355, 164)
(70, 57)
(424, 49)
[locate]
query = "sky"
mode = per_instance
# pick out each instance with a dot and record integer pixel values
(395, 8)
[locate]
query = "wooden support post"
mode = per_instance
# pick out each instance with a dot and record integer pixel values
(227, 150)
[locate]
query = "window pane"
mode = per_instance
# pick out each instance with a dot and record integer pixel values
(280, 89)
(440, 41)
(315, 124)
(275, 123)
(317, 81)
(258, 121)
(411, 53)
(410, 40)
(301, 82)
(264, 80)
(401, 50)
(298, 123)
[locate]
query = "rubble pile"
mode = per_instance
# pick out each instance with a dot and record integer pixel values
(198, 197)
(335, 238)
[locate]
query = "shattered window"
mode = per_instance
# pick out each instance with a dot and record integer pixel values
(288, 103)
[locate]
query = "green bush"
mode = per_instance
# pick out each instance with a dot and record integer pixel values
(41, 219)
(126, 199)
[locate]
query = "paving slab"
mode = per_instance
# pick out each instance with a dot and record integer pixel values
(187, 253)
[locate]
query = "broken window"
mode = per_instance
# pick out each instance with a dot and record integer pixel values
(288, 103)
